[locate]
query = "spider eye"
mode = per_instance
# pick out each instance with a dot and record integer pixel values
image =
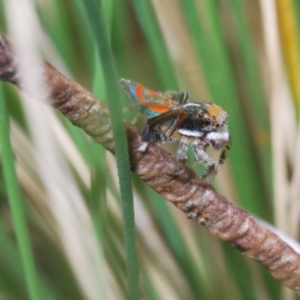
(204, 118)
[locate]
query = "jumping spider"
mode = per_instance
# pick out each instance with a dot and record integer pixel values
(172, 118)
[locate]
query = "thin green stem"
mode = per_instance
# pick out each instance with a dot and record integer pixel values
(15, 202)
(112, 88)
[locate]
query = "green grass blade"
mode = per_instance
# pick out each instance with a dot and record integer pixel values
(244, 282)
(177, 245)
(12, 279)
(148, 23)
(16, 205)
(255, 100)
(112, 93)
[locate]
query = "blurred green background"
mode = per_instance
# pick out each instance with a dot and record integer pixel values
(242, 55)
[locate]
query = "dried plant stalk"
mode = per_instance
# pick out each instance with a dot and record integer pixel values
(186, 191)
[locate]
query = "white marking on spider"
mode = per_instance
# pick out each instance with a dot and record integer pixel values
(143, 147)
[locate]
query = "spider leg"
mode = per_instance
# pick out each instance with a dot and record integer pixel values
(172, 119)
(184, 98)
(180, 97)
(172, 127)
(173, 113)
(202, 157)
(182, 151)
(223, 154)
(181, 156)
(130, 108)
(174, 124)
(135, 119)
(211, 167)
